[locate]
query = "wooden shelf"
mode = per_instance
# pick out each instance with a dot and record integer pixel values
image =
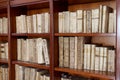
(86, 34)
(3, 4)
(4, 61)
(16, 3)
(3, 35)
(85, 1)
(34, 65)
(87, 73)
(29, 35)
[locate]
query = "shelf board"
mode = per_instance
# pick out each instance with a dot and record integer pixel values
(86, 34)
(4, 61)
(3, 4)
(16, 3)
(29, 35)
(3, 35)
(85, 1)
(87, 73)
(34, 65)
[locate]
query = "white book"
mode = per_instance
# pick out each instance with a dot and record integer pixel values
(97, 58)
(43, 23)
(27, 73)
(101, 58)
(79, 21)
(47, 22)
(61, 53)
(24, 51)
(73, 22)
(76, 52)
(115, 21)
(60, 22)
(39, 43)
(92, 57)
(1, 25)
(32, 74)
(45, 51)
(6, 50)
(66, 21)
(5, 25)
(105, 59)
(88, 56)
(27, 50)
(72, 52)
(23, 24)
(29, 24)
(19, 49)
(34, 18)
(85, 21)
(37, 76)
(85, 56)
(111, 23)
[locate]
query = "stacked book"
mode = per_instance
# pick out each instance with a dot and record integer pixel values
(3, 72)
(26, 73)
(100, 20)
(3, 50)
(33, 50)
(37, 23)
(3, 25)
(78, 53)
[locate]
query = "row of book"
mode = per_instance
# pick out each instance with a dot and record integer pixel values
(26, 73)
(37, 23)
(3, 72)
(100, 20)
(4, 25)
(33, 50)
(4, 50)
(76, 53)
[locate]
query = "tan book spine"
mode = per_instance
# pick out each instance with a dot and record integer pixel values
(111, 23)
(101, 18)
(23, 24)
(115, 21)
(92, 57)
(61, 53)
(105, 59)
(27, 73)
(101, 58)
(29, 24)
(85, 21)
(85, 56)
(39, 23)
(66, 52)
(60, 22)
(34, 18)
(97, 58)
(88, 56)
(76, 52)
(43, 23)
(47, 22)
(1, 25)
(24, 52)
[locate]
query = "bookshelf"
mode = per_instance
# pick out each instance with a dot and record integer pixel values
(13, 8)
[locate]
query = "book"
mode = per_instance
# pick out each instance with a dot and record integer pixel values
(111, 23)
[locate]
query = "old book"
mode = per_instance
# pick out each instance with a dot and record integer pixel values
(75, 52)
(89, 21)
(27, 73)
(95, 20)
(100, 18)
(32, 74)
(115, 21)
(23, 24)
(34, 18)
(18, 22)
(66, 52)
(29, 24)
(61, 53)
(72, 52)
(101, 58)
(40, 57)
(46, 52)
(80, 52)
(92, 66)
(1, 26)
(111, 23)
(37, 76)
(24, 50)
(43, 23)
(60, 22)
(105, 57)
(47, 22)
(2, 51)
(85, 56)
(6, 50)
(73, 22)
(79, 21)
(66, 21)
(88, 56)
(111, 61)
(27, 50)
(5, 24)
(97, 58)
(85, 22)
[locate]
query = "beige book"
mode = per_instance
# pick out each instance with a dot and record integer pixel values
(24, 50)
(88, 56)
(111, 61)
(66, 52)
(3, 74)
(34, 18)
(27, 73)
(35, 51)
(18, 23)
(85, 22)
(105, 59)
(95, 20)
(19, 49)
(1, 25)
(47, 22)
(89, 21)
(16, 72)
(27, 50)
(85, 56)
(40, 57)
(61, 53)
(2, 51)
(73, 22)
(5, 25)
(72, 52)
(75, 52)
(20, 72)
(6, 50)
(66, 21)
(23, 24)
(29, 24)
(100, 18)
(80, 52)
(79, 21)
(101, 58)
(115, 21)
(45, 52)
(92, 66)
(37, 76)
(60, 22)
(111, 23)
(32, 74)
(97, 58)
(43, 23)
